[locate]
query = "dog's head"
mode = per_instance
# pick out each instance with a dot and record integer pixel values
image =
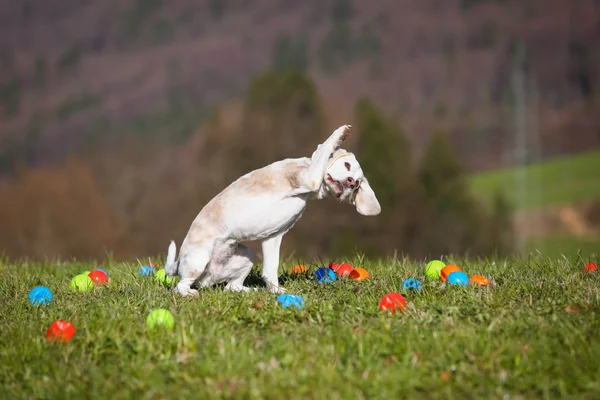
(345, 180)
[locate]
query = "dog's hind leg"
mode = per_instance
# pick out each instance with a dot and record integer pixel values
(191, 266)
(239, 266)
(312, 177)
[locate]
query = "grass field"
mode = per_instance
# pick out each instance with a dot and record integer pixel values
(566, 180)
(532, 334)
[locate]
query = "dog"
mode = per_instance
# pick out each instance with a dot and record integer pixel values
(264, 205)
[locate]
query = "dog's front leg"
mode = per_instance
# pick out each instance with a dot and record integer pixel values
(270, 249)
(312, 177)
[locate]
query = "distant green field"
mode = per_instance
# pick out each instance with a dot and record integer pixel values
(564, 244)
(564, 180)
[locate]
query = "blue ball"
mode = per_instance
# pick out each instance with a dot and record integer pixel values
(325, 275)
(100, 269)
(411, 284)
(291, 300)
(40, 295)
(458, 278)
(146, 270)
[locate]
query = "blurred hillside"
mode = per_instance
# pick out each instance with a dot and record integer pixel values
(147, 107)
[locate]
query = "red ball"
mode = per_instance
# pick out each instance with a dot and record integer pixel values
(344, 270)
(334, 266)
(589, 267)
(391, 302)
(62, 330)
(98, 277)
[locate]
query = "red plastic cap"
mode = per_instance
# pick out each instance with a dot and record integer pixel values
(62, 330)
(392, 302)
(98, 277)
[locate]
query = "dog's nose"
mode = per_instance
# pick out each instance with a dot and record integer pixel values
(351, 183)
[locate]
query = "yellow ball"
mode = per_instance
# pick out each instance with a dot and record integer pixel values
(160, 317)
(433, 269)
(82, 283)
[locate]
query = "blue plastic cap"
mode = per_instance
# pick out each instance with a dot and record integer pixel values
(40, 295)
(458, 278)
(411, 284)
(325, 275)
(146, 270)
(291, 300)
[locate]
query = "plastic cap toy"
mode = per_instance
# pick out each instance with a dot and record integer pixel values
(100, 269)
(325, 275)
(479, 280)
(160, 318)
(447, 270)
(458, 278)
(344, 270)
(433, 269)
(333, 266)
(359, 274)
(411, 284)
(291, 300)
(82, 283)
(162, 277)
(40, 295)
(589, 267)
(392, 302)
(298, 269)
(62, 330)
(146, 270)
(98, 277)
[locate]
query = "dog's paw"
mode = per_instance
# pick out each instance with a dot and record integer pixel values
(275, 289)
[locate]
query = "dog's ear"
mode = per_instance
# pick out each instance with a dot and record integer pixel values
(365, 200)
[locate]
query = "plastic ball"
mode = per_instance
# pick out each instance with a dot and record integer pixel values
(359, 274)
(291, 300)
(479, 280)
(146, 270)
(458, 278)
(334, 266)
(100, 269)
(344, 270)
(40, 295)
(447, 270)
(82, 283)
(298, 269)
(589, 267)
(433, 269)
(411, 284)
(162, 277)
(62, 330)
(98, 277)
(392, 302)
(325, 275)
(160, 318)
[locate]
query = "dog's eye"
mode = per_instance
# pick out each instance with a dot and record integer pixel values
(347, 165)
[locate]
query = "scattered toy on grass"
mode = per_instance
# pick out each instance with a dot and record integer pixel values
(433, 269)
(589, 267)
(359, 274)
(162, 277)
(458, 278)
(344, 270)
(62, 330)
(411, 284)
(98, 277)
(480, 280)
(146, 270)
(291, 300)
(325, 275)
(298, 270)
(82, 283)
(391, 302)
(447, 270)
(160, 318)
(40, 295)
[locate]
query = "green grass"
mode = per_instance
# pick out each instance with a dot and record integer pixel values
(556, 245)
(565, 180)
(513, 338)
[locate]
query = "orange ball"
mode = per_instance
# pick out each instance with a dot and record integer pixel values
(479, 279)
(299, 269)
(358, 274)
(447, 270)
(589, 267)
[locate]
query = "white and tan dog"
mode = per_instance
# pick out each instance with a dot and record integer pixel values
(264, 205)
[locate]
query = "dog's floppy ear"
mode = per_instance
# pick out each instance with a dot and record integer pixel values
(365, 200)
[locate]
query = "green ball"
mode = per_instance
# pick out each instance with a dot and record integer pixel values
(82, 283)
(160, 318)
(162, 277)
(433, 269)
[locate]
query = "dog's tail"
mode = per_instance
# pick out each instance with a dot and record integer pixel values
(170, 264)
